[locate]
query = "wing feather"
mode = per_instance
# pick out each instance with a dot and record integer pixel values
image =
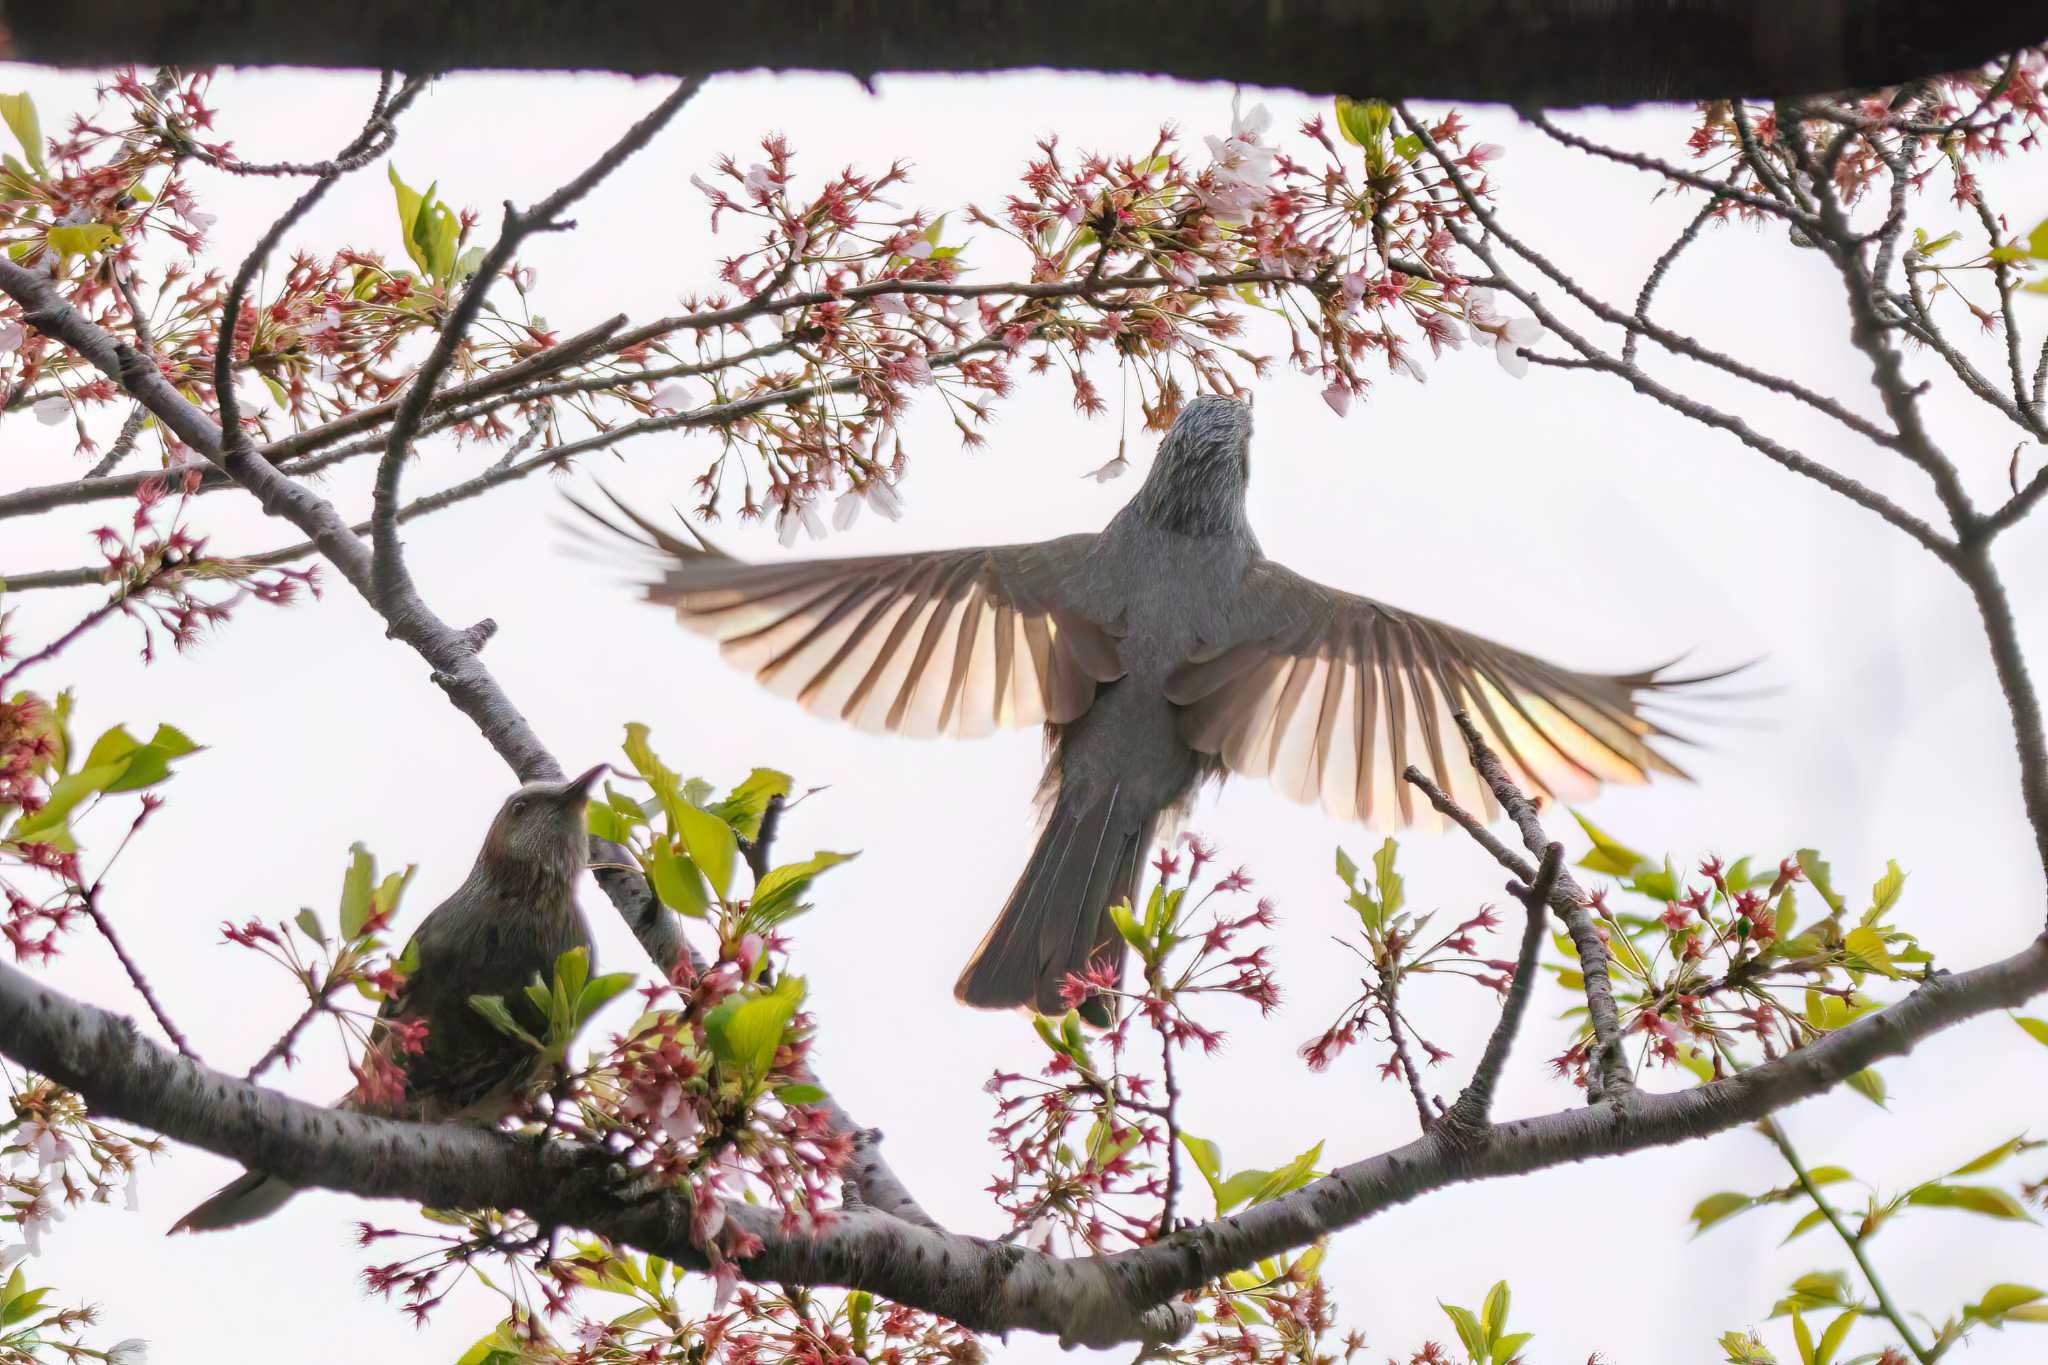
(948, 642)
(1332, 697)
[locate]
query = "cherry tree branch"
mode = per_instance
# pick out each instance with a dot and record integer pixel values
(985, 1286)
(1610, 1079)
(1473, 1109)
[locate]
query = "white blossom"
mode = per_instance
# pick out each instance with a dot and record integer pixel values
(11, 337)
(11, 1257)
(1115, 469)
(798, 517)
(133, 1351)
(329, 319)
(52, 410)
(1338, 397)
(1242, 169)
(846, 511)
(670, 397)
(1491, 327)
(131, 1193)
(888, 504)
(51, 1146)
(758, 180)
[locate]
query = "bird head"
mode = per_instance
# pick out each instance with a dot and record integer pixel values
(539, 831)
(1197, 484)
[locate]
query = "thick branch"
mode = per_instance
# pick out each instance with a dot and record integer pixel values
(1564, 52)
(982, 1285)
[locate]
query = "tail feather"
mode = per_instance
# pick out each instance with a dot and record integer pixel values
(1056, 921)
(248, 1197)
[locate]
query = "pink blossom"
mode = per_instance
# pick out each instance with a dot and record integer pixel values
(1338, 397)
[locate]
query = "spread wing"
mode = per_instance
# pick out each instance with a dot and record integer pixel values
(944, 642)
(1332, 696)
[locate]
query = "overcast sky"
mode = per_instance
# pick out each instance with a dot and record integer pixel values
(1558, 513)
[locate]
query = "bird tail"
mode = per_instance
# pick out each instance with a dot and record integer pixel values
(1056, 921)
(248, 1197)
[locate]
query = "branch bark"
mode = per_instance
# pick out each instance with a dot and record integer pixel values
(1560, 53)
(985, 1286)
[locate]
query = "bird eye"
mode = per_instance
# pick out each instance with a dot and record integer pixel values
(518, 804)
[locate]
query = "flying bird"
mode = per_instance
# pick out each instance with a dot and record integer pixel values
(505, 925)
(1161, 651)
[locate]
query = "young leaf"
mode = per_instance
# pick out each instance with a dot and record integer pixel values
(20, 113)
(1495, 1314)
(1608, 854)
(779, 893)
(1716, 1208)
(355, 890)
(1985, 1199)
(1470, 1333)
(711, 844)
(744, 806)
(1820, 878)
(745, 1030)
(499, 1016)
(2037, 1029)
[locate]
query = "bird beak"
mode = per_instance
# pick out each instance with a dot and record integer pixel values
(577, 788)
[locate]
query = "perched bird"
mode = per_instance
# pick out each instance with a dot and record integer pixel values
(505, 925)
(1163, 650)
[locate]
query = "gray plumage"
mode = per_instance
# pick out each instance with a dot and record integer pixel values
(1164, 650)
(504, 926)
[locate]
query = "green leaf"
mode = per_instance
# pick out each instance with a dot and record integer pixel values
(1885, 894)
(605, 822)
(65, 795)
(1469, 1331)
(745, 1031)
(779, 894)
(1495, 1313)
(1505, 1348)
(309, 925)
(2001, 1299)
(800, 1093)
(1743, 1348)
(1408, 147)
(1988, 1200)
(598, 992)
(1813, 1219)
(1831, 1340)
(1716, 1208)
(2037, 1029)
(1206, 1155)
(711, 844)
(1803, 1339)
(1346, 869)
(1820, 878)
(1869, 1085)
(499, 1016)
(1387, 881)
(678, 883)
(1363, 122)
(1608, 855)
(1992, 1157)
(355, 890)
(744, 806)
(20, 113)
(2037, 240)
(1866, 947)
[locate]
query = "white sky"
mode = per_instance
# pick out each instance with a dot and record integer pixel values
(1558, 513)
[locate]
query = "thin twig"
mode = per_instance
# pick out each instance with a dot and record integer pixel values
(1849, 1239)
(1472, 1112)
(90, 903)
(1403, 1059)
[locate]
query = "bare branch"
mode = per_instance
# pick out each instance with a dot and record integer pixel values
(1473, 1109)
